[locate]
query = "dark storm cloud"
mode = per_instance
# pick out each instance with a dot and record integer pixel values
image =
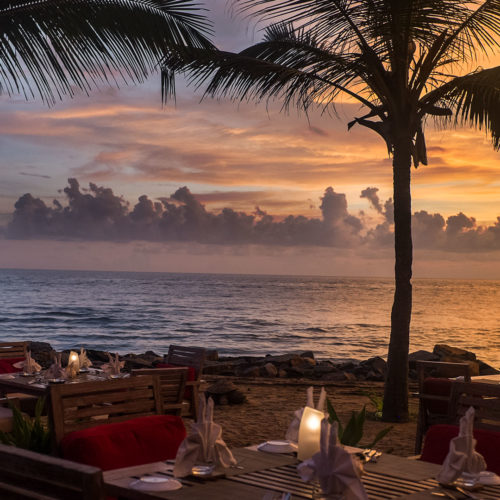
(97, 214)
(370, 193)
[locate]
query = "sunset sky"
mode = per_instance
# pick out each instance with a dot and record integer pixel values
(257, 162)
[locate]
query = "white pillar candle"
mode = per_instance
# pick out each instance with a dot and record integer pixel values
(74, 361)
(309, 433)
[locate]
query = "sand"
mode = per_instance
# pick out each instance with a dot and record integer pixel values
(270, 406)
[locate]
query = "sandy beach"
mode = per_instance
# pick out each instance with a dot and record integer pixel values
(270, 406)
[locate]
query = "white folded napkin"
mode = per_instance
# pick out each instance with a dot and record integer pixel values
(56, 370)
(333, 467)
(29, 365)
(114, 366)
(83, 358)
(204, 444)
(462, 456)
(292, 434)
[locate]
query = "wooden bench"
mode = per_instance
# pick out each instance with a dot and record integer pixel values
(172, 384)
(26, 474)
(87, 404)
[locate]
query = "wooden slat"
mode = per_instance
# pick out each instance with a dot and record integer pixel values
(13, 349)
(118, 395)
(172, 382)
(23, 472)
(485, 398)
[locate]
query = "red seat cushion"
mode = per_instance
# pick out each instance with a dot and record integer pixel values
(7, 365)
(437, 387)
(437, 445)
(191, 376)
(124, 444)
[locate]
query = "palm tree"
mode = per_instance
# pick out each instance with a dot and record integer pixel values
(403, 61)
(50, 47)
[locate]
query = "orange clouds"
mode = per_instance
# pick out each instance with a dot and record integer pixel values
(218, 146)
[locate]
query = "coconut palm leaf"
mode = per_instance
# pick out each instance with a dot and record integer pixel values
(50, 47)
(475, 100)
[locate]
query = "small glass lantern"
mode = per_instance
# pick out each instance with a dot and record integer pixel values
(309, 433)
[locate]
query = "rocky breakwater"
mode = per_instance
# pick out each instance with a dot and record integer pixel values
(303, 365)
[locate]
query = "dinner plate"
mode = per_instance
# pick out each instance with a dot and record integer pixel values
(155, 483)
(486, 477)
(278, 446)
(56, 381)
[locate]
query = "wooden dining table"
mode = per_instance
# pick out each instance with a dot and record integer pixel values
(259, 474)
(37, 385)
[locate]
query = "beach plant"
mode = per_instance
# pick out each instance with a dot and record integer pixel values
(405, 62)
(377, 402)
(352, 433)
(50, 47)
(27, 432)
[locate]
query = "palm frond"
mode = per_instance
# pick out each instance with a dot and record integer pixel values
(289, 64)
(49, 47)
(475, 100)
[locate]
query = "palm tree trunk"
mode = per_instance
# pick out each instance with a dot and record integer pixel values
(396, 385)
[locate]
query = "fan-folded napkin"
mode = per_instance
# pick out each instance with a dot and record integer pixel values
(114, 366)
(333, 467)
(292, 434)
(83, 359)
(462, 456)
(203, 444)
(56, 370)
(29, 365)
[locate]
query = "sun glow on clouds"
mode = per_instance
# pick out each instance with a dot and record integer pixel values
(129, 141)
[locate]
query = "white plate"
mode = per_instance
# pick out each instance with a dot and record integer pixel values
(56, 380)
(278, 446)
(155, 483)
(487, 477)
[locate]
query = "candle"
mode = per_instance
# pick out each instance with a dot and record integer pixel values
(309, 433)
(74, 364)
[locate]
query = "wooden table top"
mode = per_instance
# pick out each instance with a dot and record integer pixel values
(260, 472)
(37, 385)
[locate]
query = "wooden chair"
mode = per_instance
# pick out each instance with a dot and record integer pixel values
(28, 475)
(172, 384)
(434, 387)
(193, 357)
(13, 349)
(87, 404)
(485, 398)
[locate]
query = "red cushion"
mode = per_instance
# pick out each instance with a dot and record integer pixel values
(437, 387)
(7, 365)
(437, 445)
(124, 444)
(191, 375)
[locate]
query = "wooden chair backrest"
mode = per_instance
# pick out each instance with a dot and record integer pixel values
(187, 356)
(441, 369)
(485, 398)
(87, 404)
(172, 386)
(26, 474)
(13, 349)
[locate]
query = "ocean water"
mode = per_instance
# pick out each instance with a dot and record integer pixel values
(336, 318)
